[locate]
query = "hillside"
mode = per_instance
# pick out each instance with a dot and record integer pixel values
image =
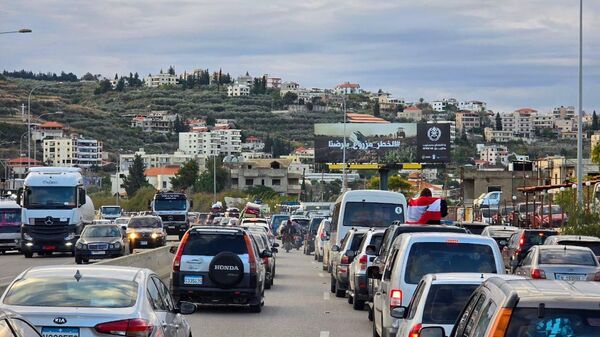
(107, 116)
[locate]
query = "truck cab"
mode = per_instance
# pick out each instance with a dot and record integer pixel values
(110, 212)
(55, 208)
(172, 208)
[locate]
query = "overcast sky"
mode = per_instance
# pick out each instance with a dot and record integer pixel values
(510, 53)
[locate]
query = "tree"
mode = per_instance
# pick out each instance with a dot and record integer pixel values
(120, 85)
(136, 178)
(376, 109)
(187, 176)
(103, 87)
(596, 154)
(210, 120)
(205, 180)
(116, 76)
(498, 122)
(289, 98)
(88, 77)
(171, 70)
(179, 125)
(595, 125)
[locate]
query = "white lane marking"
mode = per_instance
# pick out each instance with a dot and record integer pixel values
(321, 275)
(326, 296)
(324, 334)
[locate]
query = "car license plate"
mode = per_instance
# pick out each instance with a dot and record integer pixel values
(60, 332)
(98, 252)
(571, 277)
(193, 280)
(171, 227)
(49, 247)
(143, 243)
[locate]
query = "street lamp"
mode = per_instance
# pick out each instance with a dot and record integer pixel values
(514, 218)
(344, 182)
(22, 30)
(579, 192)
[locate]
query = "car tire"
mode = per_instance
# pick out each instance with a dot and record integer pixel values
(268, 284)
(28, 255)
(332, 285)
(358, 305)
(78, 259)
(370, 314)
(255, 308)
(226, 278)
(339, 292)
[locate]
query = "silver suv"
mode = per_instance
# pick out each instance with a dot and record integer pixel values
(219, 266)
(341, 257)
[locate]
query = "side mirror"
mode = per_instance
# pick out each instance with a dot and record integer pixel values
(265, 253)
(19, 195)
(275, 245)
(81, 193)
(350, 253)
(335, 248)
(186, 308)
(432, 331)
(373, 272)
(399, 312)
(173, 249)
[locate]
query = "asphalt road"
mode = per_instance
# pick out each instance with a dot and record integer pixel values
(298, 305)
(13, 263)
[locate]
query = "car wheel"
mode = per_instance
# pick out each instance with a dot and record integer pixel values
(86, 260)
(268, 284)
(339, 292)
(332, 285)
(78, 260)
(315, 257)
(28, 255)
(256, 308)
(370, 315)
(358, 305)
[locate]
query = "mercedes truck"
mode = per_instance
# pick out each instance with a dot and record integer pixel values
(172, 208)
(54, 210)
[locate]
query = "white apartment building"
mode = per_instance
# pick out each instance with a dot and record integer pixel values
(347, 88)
(287, 87)
(253, 144)
(540, 122)
(565, 125)
(564, 112)
(520, 122)
(74, 151)
(156, 121)
(157, 80)
(439, 106)
(245, 80)
(212, 143)
(47, 130)
(494, 154)
(237, 89)
(472, 106)
(498, 136)
(158, 159)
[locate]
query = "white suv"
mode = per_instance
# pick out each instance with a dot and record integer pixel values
(438, 301)
(414, 255)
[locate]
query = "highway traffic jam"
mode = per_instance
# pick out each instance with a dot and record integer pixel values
(401, 268)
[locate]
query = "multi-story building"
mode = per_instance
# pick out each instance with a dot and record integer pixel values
(412, 113)
(595, 140)
(73, 151)
(494, 154)
(347, 88)
(541, 122)
(245, 80)
(157, 80)
(271, 173)
(238, 89)
(273, 82)
(177, 158)
(562, 112)
(519, 122)
(156, 121)
(466, 121)
(253, 144)
(498, 136)
(47, 130)
(287, 87)
(439, 106)
(473, 106)
(565, 125)
(218, 141)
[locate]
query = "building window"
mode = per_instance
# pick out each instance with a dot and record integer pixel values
(249, 182)
(276, 182)
(234, 181)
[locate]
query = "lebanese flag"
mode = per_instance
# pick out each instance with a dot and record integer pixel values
(421, 210)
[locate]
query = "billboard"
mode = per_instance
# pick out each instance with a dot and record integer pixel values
(433, 142)
(366, 142)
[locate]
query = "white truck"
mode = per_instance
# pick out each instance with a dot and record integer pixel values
(110, 212)
(172, 208)
(10, 225)
(55, 208)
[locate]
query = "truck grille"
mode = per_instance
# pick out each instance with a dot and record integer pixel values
(49, 232)
(50, 222)
(98, 246)
(174, 217)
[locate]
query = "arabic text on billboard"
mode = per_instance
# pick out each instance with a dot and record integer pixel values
(365, 143)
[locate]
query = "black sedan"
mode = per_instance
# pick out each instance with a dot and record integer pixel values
(99, 242)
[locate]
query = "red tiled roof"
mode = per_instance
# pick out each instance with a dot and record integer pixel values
(362, 118)
(526, 110)
(23, 160)
(348, 85)
(51, 125)
(165, 171)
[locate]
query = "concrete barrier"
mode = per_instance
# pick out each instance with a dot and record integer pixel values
(159, 260)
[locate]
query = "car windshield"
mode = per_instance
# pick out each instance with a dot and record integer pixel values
(144, 223)
(372, 214)
(10, 217)
(567, 256)
(101, 231)
(445, 301)
(213, 244)
(593, 245)
(86, 292)
(38, 197)
(170, 204)
(555, 210)
(356, 239)
(446, 257)
(554, 322)
(111, 210)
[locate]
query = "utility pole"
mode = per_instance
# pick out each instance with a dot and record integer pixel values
(344, 182)
(580, 114)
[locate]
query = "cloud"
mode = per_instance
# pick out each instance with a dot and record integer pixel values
(509, 53)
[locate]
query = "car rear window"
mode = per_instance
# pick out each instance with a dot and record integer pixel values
(376, 241)
(475, 229)
(87, 292)
(213, 244)
(448, 257)
(372, 214)
(356, 239)
(501, 233)
(537, 237)
(565, 256)
(594, 246)
(528, 322)
(445, 301)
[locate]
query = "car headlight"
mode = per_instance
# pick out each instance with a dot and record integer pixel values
(117, 245)
(111, 246)
(27, 237)
(154, 235)
(79, 245)
(71, 236)
(132, 236)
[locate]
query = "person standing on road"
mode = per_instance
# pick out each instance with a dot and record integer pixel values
(426, 209)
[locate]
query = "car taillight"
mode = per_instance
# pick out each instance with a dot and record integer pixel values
(136, 327)
(362, 262)
(597, 277)
(522, 240)
(177, 259)
(395, 298)
(265, 260)
(415, 331)
(501, 323)
(251, 257)
(538, 274)
(345, 260)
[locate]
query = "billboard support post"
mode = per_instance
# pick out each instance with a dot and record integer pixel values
(383, 178)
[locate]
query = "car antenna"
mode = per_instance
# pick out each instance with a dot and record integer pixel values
(77, 275)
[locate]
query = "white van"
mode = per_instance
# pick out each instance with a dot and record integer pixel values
(364, 208)
(416, 254)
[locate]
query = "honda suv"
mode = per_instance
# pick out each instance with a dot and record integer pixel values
(219, 266)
